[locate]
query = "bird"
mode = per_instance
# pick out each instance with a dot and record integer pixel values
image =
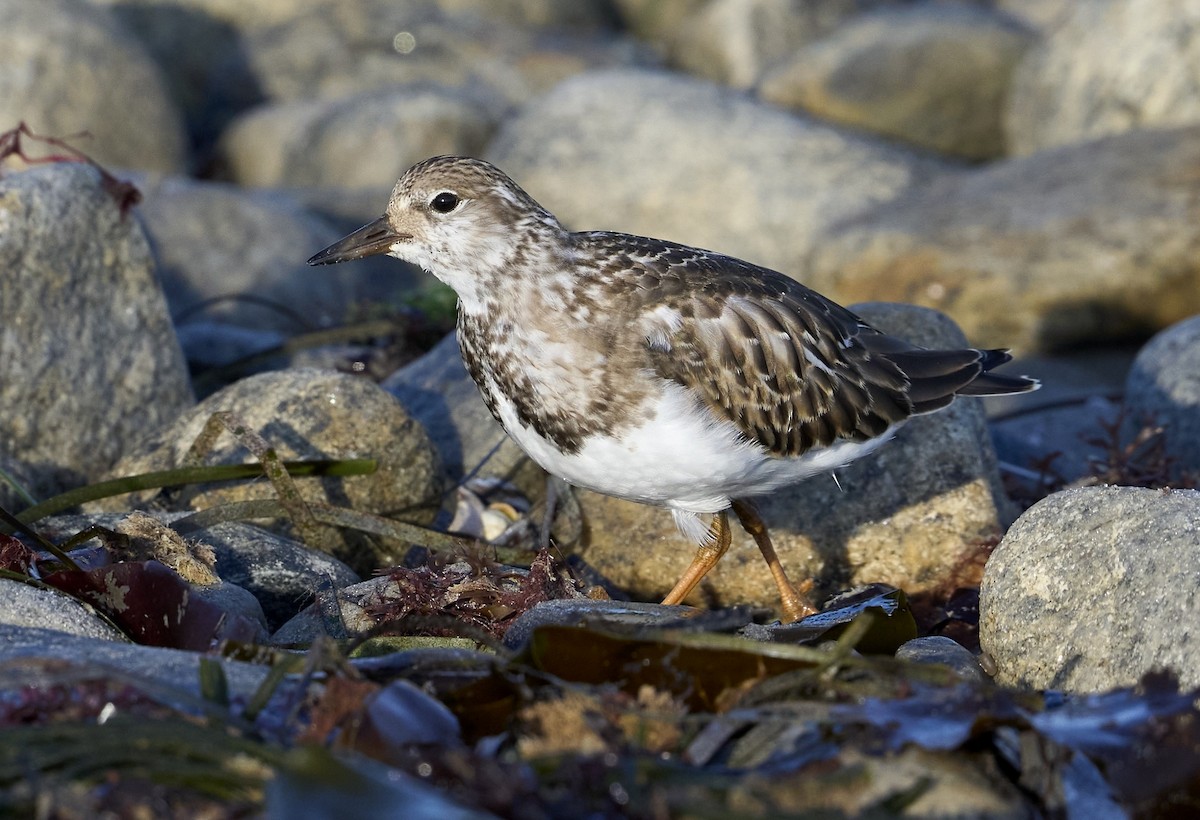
(657, 372)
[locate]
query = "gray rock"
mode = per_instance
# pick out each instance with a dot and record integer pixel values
(404, 713)
(935, 76)
(27, 607)
(1044, 16)
(197, 48)
(242, 17)
(1163, 389)
(912, 515)
(200, 44)
(237, 601)
(584, 14)
(88, 357)
(1111, 66)
(349, 48)
(349, 208)
(173, 669)
(364, 140)
(338, 613)
(15, 477)
(58, 528)
(309, 414)
(367, 789)
(214, 240)
(732, 41)
(282, 574)
(1065, 432)
(67, 67)
(942, 650)
(620, 616)
(213, 344)
(657, 20)
(1090, 243)
(1092, 588)
(754, 182)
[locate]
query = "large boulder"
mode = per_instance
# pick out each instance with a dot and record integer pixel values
(1093, 588)
(67, 66)
(676, 158)
(88, 356)
(930, 75)
(307, 414)
(1110, 66)
(1086, 243)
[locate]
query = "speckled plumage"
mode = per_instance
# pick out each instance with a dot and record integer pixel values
(650, 370)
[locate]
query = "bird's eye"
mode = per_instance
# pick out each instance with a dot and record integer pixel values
(444, 203)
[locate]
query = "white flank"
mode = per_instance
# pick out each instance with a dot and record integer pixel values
(684, 458)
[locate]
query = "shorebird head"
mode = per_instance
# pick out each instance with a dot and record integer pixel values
(459, 218)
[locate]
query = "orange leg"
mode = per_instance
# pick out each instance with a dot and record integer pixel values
(707, 556)
(796, 603)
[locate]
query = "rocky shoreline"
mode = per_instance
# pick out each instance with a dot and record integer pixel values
(935, 154)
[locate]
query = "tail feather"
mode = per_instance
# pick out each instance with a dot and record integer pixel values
(936, 377)
(930, 364)
(995, 384)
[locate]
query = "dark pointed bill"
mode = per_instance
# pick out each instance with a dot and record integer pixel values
(372, 238)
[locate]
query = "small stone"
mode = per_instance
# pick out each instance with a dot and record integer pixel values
(944, 651)
(283, 574)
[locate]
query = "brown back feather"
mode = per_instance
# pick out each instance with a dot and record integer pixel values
(790, 368)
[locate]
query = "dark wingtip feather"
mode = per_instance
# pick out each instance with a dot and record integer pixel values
(994, 384)
(936, 377)
(994, 357)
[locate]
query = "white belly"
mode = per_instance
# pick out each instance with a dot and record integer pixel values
(684, 458)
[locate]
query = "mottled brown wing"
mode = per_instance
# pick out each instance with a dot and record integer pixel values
(788, 368)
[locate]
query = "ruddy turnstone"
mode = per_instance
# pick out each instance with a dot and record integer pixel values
(653, 371)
